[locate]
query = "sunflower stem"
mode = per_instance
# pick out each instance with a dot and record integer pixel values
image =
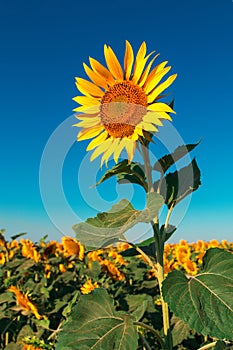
(159, 245)
(148, 169)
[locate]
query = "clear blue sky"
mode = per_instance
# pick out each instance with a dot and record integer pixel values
(43, 46)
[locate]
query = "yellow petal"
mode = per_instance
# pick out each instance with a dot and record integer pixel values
(88, 122)
(85, 116)
(102, 71)
(88, 88)
(101, 148)
(139, 63)
(160, 107)
(120, 147)
(128, 60)
(85, 100)
(155, 71)
(97, 141)
(89, 133)
(138, 132)
(113, 63)
(153, 117)
(161, 87)
(96, 78)
(85, 109)
(146, 72)
(134, 137)
(107, 154)
(148, 126)
(156, 79)
(130, 149)
(164, 115)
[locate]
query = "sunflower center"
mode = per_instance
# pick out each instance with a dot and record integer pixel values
(122, 109)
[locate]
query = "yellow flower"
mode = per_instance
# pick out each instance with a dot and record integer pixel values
(118, 258)
(72, 247)
(13, 244)
(50, 249)
(201, 246)
(24, 303)
(2, 258)
(120, 106)
(29, 250)
(47, 271)
(95, 256)
(182, 253)
(183, 243)
(158, 301)
(190, 267)
(199, 257)
(62, 268)
(168, 265)
(88, 287)
(113, 270)
(123, 246)
(213, 243)
(31, 347)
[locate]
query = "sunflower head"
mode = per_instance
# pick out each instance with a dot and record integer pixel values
(120, 105)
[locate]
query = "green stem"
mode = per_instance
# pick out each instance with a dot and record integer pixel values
(146, 159)
(160, 267)
(160, 184)
(144, 342)
(159, 245)
(168, 216)
(208, 346)
(6, 338)
(152, 330)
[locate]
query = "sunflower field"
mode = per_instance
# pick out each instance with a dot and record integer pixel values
(98, 291)
(41, 282)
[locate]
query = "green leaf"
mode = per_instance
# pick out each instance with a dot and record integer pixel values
(179, 184)
(109, 226)
(180, 330)
(18, 235)
(94, 324)
(204, 301)
(164, 163)
(13, 346)
(137, 304)
(126, 172)
(138, 313)
(148, 250)
(6, 297)
(167, 232)
(147, 242)
(68, 308)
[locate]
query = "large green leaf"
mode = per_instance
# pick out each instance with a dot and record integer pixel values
(126, 172)
(204, 301)
(109, 226)
(179, 184)
(95, 325)
(164, 163)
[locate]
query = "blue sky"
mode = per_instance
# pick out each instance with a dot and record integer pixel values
(43, 46)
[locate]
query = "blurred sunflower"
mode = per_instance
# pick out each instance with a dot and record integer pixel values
(119, 107)
(24, 303)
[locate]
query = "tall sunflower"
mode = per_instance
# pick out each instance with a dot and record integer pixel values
(119, 107)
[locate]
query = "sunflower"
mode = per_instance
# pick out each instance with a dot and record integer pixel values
(119, 106)
(24, 303)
